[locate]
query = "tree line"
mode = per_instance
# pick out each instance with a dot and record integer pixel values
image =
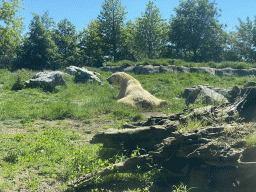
(192, 34)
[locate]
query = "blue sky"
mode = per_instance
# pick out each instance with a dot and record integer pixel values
(80, 12)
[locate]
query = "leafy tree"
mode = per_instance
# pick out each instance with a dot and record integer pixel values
(10, 33)
(151, 32)
(254, 33)
(39, 49)
(111, 20)
(91, 44)
(195, 29)
(65, 38)
(48, 22)
(214, 45)
(245, 36)
(127, 49)
(231, 52)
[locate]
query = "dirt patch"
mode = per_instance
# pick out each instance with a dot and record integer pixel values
(12, 131)
(11, 127)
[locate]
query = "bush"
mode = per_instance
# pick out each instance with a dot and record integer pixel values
(18, 85)
(212, 64)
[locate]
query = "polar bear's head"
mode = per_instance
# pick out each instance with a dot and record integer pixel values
(119, 78)
(114, 79)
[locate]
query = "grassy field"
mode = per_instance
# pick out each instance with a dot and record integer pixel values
(44, 136)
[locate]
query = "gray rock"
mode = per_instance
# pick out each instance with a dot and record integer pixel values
(205, 70)
(207, 96)
(236, 72)
(82, 74)
(250, 84)
(234, 93)
(243, 101)
(129, 69)
(106, 68)
(47, 80)
(181, 69)
(225, 72)
(168, 69)
(245, 72)
(221, 91)
(151, 69)
(146, 136)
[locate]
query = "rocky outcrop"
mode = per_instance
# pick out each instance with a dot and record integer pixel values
(46, 80)
(144, 134)
(83, 75)
(236, 72)
(204, 94)
(151, 69)
(211, 158)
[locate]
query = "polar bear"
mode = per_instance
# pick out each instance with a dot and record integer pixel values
(132, 93)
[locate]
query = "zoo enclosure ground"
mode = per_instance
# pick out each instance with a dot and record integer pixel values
(64, 121)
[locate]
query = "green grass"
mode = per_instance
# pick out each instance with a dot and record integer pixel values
(57, 153)
(251, 140)
(84, 101)
(191, 125)
(49, 153)
(178, 62)
(79, 101)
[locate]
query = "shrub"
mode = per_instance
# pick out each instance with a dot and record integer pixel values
(126, 63)
(211, 64)
(251, 140)
(18, 85)
(192, 125)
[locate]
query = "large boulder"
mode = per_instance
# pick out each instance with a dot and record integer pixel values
(203, 93)
(145, 136)
(243, 101)
(83, 75)
(46, 80)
